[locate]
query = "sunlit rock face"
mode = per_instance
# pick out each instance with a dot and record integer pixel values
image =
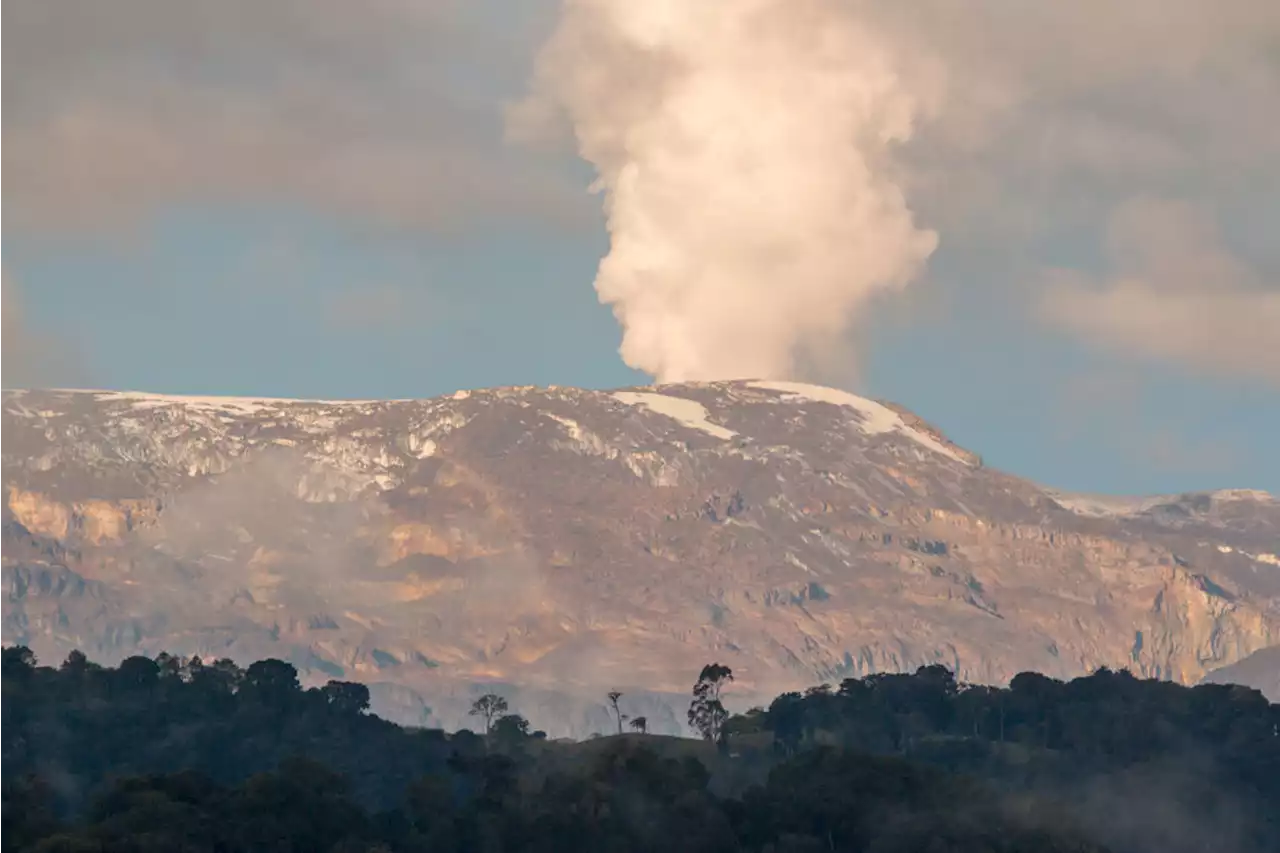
(555, 543)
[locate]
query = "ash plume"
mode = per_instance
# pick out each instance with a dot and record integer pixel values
(745, 151)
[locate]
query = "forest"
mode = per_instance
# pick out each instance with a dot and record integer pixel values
(174, 754)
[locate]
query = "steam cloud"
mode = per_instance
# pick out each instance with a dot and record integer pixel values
(756, 158)
(745, 150)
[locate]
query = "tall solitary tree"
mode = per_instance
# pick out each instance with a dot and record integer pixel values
(614, 696)
(488, 708)
(707, 714)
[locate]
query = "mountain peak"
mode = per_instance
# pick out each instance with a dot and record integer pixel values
(679, 401)
(552, 541)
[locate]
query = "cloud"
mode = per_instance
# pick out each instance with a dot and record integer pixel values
(35, 357)
(1175, 295)
(376, 112)
(770, 167)
(1053, 112)
(740, 153)
(772, 170)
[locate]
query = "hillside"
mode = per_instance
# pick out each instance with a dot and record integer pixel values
(176, 754)
(554, 543)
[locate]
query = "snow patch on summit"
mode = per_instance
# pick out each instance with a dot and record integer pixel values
(877, 418)
(1104, 506)
(1230, 495)
(689, 413)
(144, 401)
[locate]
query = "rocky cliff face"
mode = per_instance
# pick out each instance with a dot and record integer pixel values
(559, 543)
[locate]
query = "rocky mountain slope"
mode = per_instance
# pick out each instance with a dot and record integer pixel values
(557, 543)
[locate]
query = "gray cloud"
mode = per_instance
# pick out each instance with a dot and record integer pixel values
(1053, 111)
(383, 112)
(1175, 294)
(1063, 116)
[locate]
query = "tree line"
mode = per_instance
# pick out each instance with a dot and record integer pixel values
(182, 755)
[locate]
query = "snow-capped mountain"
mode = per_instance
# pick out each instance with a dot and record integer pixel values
(559, 543)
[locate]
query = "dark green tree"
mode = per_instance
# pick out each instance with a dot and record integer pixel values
(272, 682)
(510, 731)
(136, 673)
(19, 662)
(346, 697)
(488, 708)
(707, 714)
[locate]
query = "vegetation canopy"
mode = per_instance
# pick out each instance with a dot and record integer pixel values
(171, 754)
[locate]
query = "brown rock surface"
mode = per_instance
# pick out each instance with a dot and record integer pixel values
(565, 542)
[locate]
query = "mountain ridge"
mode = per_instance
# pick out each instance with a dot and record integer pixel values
(535, 537)
(1084, 502)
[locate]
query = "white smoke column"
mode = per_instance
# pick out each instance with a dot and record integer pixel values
(743, 147)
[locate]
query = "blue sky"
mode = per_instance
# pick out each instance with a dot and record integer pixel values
(451, 258)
